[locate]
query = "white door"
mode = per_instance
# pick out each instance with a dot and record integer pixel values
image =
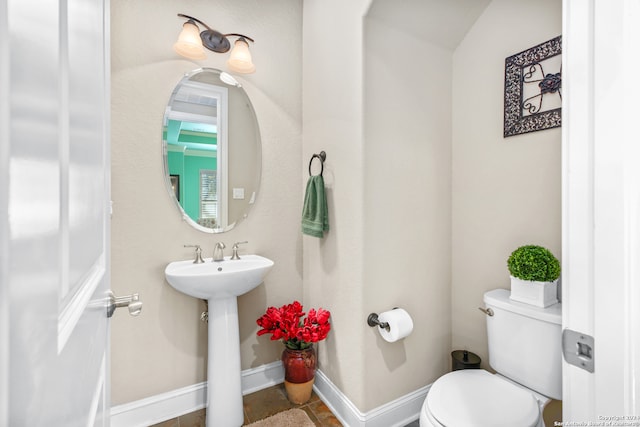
(54, 219)
(601, 209)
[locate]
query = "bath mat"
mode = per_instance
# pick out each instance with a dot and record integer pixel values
(290, 418)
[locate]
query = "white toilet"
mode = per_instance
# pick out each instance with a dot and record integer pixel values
(525, 349)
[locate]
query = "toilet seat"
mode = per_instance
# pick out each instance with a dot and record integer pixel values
(474, 397)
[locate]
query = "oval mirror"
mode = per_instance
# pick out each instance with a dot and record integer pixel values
(212, 151)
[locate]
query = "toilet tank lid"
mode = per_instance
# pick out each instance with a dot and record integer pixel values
(499, 298)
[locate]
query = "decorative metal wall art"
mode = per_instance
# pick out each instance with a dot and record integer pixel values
(533, 89)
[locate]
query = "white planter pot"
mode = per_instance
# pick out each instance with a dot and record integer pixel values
(540, 294)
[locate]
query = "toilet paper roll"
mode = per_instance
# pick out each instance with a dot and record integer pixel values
(400, 324)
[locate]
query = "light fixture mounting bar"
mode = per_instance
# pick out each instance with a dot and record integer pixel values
(240, 35)
(195, 19)
(212, 39)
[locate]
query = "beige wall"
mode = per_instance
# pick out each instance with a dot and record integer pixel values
(387, 133)
(165, 347)
(332, 121)
(426, 198)
(424, 190)
(506, 191)
(407, 201)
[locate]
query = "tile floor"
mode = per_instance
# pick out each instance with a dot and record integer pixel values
(270, 401)
(263, 404)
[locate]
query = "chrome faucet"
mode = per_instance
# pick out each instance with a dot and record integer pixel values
(235, 249)
(218, 252)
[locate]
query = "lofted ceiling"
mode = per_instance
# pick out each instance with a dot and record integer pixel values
(442, 22)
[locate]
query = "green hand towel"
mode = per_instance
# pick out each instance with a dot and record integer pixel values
(315, 216)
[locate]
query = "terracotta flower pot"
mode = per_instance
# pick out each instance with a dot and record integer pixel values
(299, 373)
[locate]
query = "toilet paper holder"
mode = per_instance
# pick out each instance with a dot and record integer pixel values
(372, 321)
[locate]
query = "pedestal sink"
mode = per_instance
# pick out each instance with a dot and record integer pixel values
(220, 283)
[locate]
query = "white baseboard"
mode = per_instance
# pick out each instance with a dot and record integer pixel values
(161, 407)
(256, 379)
(397, 413)
(165, 406)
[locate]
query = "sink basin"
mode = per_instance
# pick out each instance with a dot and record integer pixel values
(220, 279)
(220, 283)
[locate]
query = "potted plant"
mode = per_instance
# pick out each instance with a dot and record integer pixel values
(298, 333)
(534, 275)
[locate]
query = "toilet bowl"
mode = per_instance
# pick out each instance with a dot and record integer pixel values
(524, 345)
(478, 398)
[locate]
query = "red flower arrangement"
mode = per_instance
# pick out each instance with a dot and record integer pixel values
(288, 324)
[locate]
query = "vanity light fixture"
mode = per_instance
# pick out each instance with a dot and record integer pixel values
(191, 44)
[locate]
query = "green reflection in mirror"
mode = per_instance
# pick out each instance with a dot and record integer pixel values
(212, 150)
(192, 155)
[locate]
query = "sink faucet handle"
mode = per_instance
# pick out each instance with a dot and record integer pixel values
(198, 259)
(218, 251)
(235, 249)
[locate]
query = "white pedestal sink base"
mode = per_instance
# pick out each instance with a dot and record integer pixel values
(224, 382)
(220, 283)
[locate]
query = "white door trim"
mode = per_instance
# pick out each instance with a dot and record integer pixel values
(601, 205)
(4, 216)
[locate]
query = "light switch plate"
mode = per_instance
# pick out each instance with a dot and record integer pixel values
(238, 193)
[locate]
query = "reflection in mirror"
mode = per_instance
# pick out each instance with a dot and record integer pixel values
(212, 153)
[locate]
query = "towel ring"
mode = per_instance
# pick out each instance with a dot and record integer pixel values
(322, 156)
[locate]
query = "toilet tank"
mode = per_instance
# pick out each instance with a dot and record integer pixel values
(525, 342)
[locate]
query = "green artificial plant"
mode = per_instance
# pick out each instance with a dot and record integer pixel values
(534, 263)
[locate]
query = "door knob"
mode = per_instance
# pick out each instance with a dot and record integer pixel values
(132, 302)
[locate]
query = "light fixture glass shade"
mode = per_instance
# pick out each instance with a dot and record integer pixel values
(240, 58)
(189, 43)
